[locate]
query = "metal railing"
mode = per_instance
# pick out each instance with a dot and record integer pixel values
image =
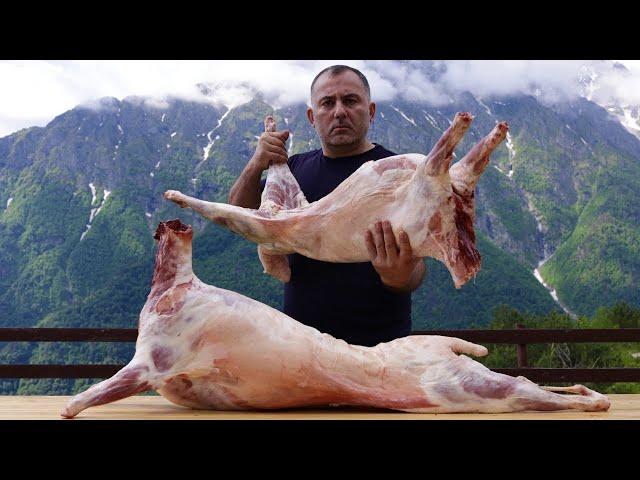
(520, 337)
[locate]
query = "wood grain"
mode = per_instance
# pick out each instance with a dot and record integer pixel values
(145, 407)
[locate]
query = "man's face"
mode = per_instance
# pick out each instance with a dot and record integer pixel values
(341, 110)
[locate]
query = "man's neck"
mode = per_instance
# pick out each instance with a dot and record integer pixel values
(337, 151)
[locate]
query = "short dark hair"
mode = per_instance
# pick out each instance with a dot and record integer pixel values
(338, 69)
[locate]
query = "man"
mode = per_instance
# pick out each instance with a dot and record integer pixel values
(361, 303)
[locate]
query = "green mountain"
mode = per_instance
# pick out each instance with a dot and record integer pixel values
(80, 200)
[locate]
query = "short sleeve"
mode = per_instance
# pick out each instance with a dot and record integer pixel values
(293, 161)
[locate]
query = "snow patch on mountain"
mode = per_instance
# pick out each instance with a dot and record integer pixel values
(95, 211)
(546, 256)
(93, 193)
(207, 149)
(485, 106)
(552, 292)
(431, 120)
(410, 120)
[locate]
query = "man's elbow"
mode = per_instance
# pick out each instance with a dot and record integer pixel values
(238, 200)
(235, 197)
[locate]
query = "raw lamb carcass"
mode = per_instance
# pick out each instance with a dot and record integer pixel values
(422, 195)
(207, 348)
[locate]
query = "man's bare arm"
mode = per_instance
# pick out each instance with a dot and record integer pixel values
(245, 192)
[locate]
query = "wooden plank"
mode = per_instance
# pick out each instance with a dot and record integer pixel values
(521, 351)
(145, 407)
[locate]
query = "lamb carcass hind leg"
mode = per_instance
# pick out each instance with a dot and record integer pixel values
(281, 190)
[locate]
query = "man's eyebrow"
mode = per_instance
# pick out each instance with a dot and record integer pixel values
(347, 95)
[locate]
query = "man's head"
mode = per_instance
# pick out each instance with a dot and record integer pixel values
(341, 109)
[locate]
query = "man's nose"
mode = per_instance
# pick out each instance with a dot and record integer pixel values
(339, 110)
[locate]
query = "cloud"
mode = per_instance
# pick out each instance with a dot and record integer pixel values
(407, 80)
(619, 83)
(490, 78)
(34, 92)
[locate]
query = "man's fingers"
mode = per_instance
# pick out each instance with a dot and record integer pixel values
(277, 154)
(274, 149)
(282, 136)
(272, 140)
(405, 245)
(379, 241)
(389, 241)
(371, 246)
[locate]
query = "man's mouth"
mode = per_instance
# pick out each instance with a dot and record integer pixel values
(340, 128)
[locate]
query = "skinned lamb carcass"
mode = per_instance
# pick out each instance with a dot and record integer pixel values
(203, 347)
(422, 195)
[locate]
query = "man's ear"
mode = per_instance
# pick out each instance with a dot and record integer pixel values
(372, 111)
(310, 115)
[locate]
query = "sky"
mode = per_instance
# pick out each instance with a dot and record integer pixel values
(33, 92)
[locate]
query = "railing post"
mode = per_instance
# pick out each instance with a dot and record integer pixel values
(522, 351)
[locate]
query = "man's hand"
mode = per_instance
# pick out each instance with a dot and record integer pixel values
(271, 149)
(397, 267)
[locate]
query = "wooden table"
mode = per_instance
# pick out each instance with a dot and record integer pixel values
(146, 407)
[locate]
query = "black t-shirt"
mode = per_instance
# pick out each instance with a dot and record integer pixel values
(346, 300)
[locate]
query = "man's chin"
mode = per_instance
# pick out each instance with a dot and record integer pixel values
(341, 140)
